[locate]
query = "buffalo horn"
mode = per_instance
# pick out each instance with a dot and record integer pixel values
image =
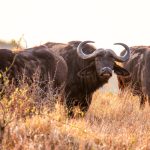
(87, 56)
(123, 58)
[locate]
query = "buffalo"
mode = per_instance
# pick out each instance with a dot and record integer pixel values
(138, 66)
(88, 70)
(24, 64)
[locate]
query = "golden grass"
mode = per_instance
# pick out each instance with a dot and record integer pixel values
(112, 122)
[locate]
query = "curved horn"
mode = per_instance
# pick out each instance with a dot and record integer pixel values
(87, 56)
(123, 58)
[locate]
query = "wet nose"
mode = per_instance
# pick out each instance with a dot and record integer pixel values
(106, 71)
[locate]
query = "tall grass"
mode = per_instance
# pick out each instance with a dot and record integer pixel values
(28, 122)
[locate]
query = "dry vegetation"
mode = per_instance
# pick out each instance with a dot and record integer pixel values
(13, 44)
(28, 122)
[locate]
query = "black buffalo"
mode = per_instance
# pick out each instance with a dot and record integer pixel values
(25, 64)
(138, 65)
(88, 69)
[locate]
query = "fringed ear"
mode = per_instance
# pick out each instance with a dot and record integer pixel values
(124, 81)
(87, 71)
(120, 71)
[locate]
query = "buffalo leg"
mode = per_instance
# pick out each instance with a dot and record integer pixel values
(84, 105)
(70, 110)
(70, 104)
(142, 101)
(149, 100)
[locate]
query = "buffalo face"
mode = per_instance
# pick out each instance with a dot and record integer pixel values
(105, 60)
(104, 65)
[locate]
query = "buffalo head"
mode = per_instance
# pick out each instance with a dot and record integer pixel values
(104, 60)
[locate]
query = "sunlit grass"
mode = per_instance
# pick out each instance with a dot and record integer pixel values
(113, 121)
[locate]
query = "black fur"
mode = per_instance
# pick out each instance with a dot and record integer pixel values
(83, 79)
(138, 65)
(38, 60)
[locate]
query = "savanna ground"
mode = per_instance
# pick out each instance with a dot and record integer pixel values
(29, 122)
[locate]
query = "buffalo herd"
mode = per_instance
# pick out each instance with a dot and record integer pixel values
(79, 69)
(138, 66)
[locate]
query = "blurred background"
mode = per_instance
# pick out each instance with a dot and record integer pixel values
(34, 22)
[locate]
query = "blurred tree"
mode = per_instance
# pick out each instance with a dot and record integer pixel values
(13, 44)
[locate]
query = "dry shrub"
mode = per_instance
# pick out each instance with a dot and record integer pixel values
(24, 101)
(31, 121)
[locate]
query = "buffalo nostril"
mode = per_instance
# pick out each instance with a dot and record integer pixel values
(103, 69)
(106, 71)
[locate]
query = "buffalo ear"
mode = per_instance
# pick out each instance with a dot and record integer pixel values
(120, 71)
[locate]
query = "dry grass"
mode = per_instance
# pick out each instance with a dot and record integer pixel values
(112, 122)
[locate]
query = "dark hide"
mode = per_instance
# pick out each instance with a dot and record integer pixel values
(138, 65)
(83, 79)
(29, 62)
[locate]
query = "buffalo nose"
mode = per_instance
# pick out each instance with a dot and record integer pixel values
(106, 71)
